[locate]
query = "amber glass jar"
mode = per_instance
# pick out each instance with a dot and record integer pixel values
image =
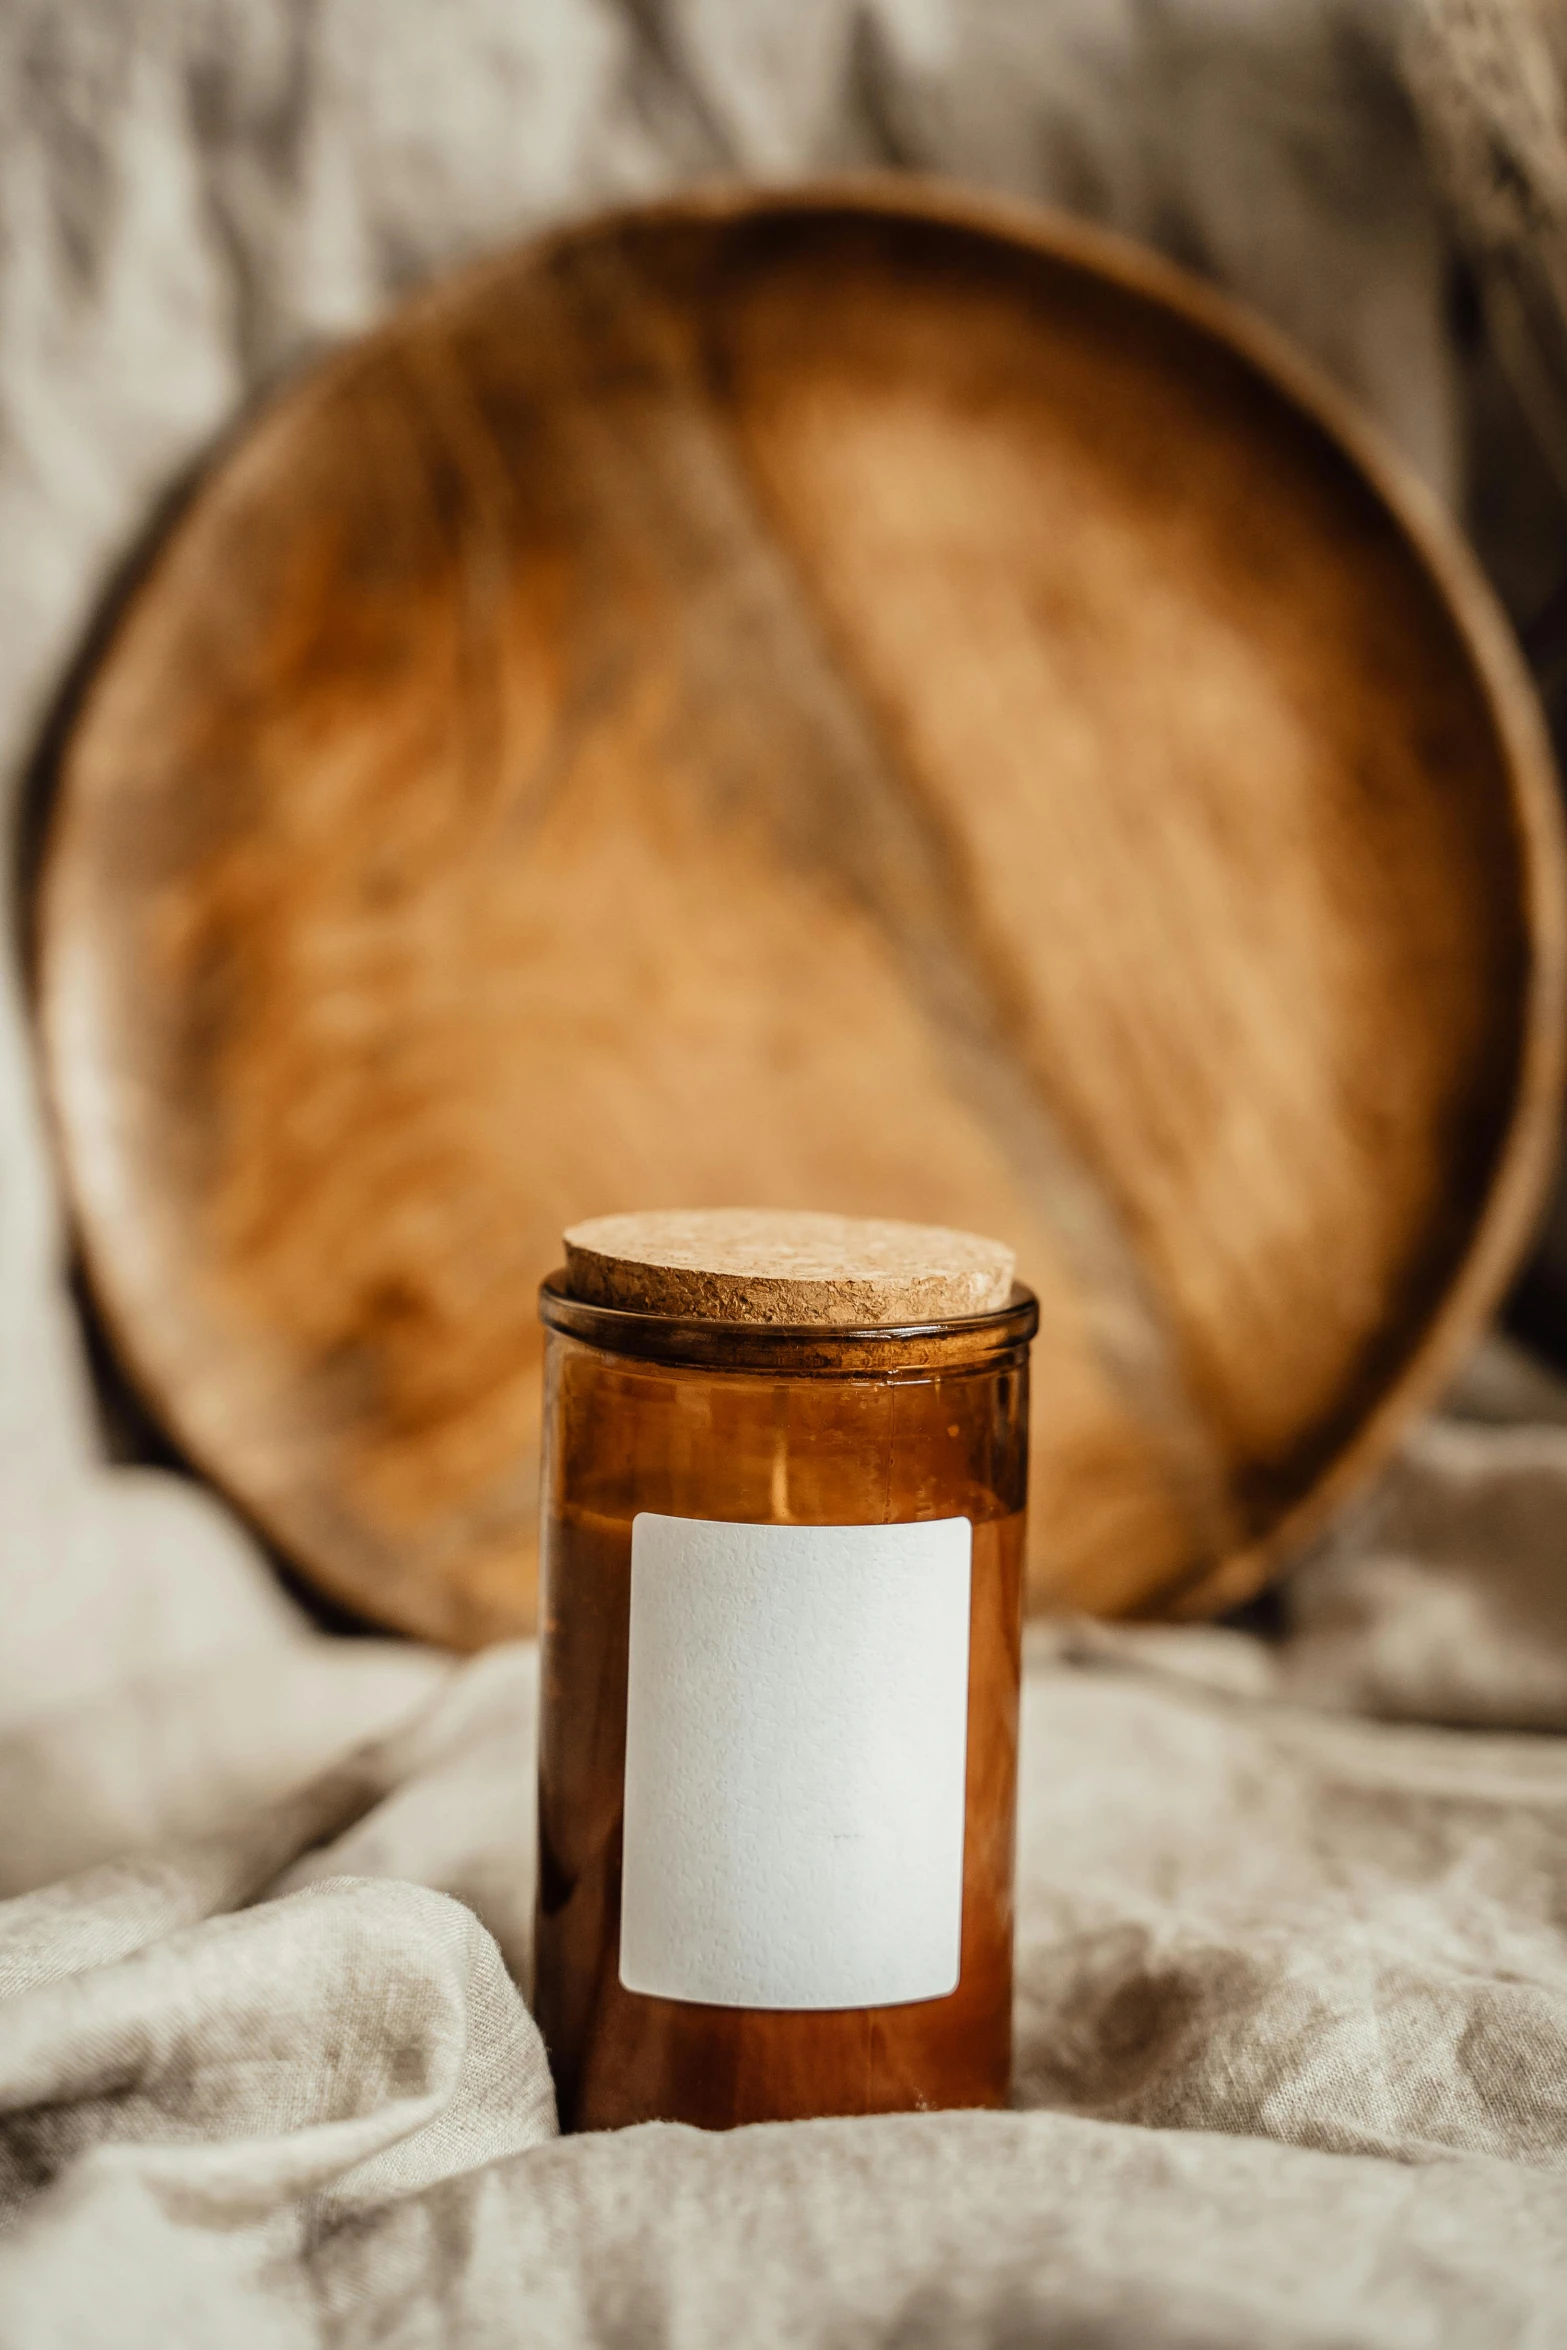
(778, 1755)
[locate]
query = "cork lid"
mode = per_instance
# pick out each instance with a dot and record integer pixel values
(785, 1265)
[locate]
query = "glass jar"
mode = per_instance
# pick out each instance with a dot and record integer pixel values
(816, 1816)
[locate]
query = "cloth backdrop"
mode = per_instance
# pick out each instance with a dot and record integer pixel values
(1293, 1939)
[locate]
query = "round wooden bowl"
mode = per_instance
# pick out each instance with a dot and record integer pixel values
(864, 698)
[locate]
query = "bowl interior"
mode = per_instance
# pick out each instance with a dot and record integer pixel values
(807, 702)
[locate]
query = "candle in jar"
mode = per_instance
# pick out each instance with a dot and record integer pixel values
(785, 1477)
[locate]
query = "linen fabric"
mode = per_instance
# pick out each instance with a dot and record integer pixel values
(1292, 2061)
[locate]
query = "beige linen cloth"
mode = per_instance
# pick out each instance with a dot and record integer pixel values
(1293, 1928)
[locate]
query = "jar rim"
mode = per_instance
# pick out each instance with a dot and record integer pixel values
(820, 1349)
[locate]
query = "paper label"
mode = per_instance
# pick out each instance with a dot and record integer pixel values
(796, 1746)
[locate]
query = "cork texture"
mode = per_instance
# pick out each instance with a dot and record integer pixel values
(785, 1266)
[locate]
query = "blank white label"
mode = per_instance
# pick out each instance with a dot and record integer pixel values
(796, 1742)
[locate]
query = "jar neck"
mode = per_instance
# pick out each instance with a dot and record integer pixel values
(823, 1350)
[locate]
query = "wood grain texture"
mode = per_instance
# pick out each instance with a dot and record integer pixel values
(865, 699)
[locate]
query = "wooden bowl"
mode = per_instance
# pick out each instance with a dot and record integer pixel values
(867, 698)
